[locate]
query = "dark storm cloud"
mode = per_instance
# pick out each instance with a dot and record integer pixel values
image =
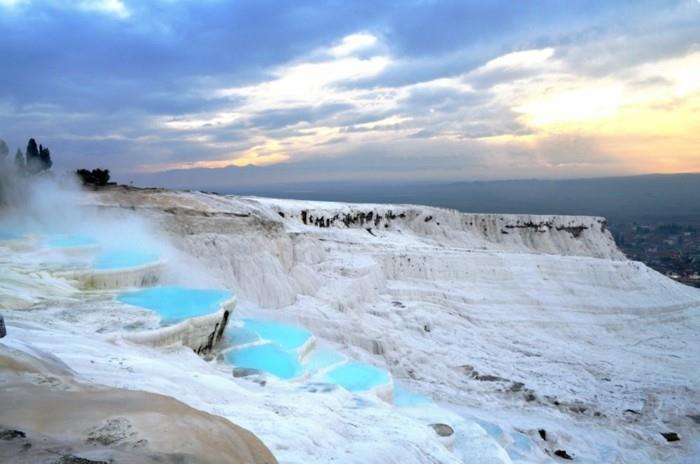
(162, 46)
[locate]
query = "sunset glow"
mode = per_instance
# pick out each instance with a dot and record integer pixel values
(584, 95)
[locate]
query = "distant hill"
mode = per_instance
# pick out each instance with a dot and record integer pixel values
(615, 197)
(648, 198)
(656, 198)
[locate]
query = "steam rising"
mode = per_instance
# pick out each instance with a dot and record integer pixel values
(46, 206)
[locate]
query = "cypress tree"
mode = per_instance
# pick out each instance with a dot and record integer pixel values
(45, 158)
(38, 158)
(33, 163)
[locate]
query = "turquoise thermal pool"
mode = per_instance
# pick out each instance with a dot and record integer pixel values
(286, 336)
(403, 397)
(521, 442)
(123, 259)
(274, 348)
(174, 304)
(492, 429)
(276, 351)
(68, 241)
(237, 336)
(269, 357)
(323, 359)
(357, 376)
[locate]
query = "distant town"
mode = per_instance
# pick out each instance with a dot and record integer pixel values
(671, 249)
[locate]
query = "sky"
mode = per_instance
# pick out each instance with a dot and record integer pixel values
(418, 90)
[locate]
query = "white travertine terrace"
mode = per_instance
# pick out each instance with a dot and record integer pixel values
(112, 279)
(511, 323)
(200, 333)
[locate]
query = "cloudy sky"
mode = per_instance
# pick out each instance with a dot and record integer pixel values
(380, 90)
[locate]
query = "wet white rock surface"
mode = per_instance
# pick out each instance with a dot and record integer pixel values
(510, 324)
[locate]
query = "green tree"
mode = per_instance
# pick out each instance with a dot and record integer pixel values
(32, 157)
(38, 158)
(45, 158)
(97, 177)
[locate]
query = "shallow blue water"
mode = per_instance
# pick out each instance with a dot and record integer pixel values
(286, 336)
(278, 356)
(123, 258)
(68, 241)
(240, 336)
(321, 359)
(521, 446)
(270, 358)
(403, 397)
(521, 442)
(176, 303)
(492, 429)
(357, 376)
